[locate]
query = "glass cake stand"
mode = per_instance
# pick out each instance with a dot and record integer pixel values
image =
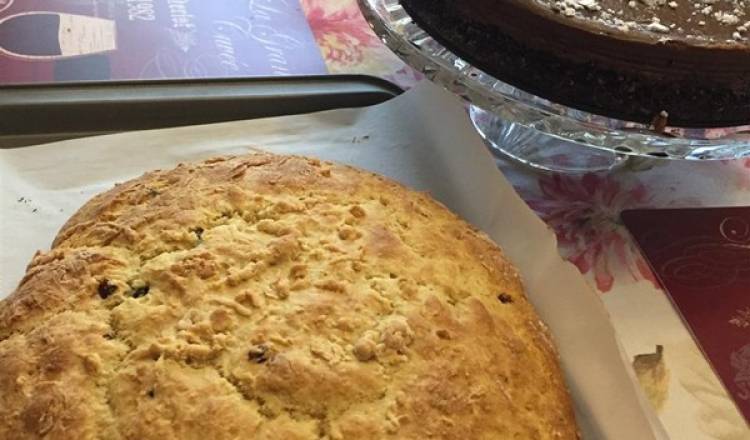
(537, 132)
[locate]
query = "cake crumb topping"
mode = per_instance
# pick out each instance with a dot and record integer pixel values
(709, 20)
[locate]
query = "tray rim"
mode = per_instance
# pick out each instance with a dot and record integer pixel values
(105, 99)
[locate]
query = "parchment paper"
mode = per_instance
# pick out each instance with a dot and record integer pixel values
(423, 139)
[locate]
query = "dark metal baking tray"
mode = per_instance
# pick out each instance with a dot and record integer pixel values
(33, 114)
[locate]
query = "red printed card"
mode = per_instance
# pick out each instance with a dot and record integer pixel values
(702, 258)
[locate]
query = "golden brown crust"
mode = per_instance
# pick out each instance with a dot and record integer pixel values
(274, 297)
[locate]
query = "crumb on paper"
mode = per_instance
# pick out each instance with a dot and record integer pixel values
(652, 373)
(360, 139)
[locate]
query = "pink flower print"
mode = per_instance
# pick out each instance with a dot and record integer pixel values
(340, 30)
(405, 77)
(585, 214)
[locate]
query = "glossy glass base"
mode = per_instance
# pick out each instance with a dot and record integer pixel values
(541, 151)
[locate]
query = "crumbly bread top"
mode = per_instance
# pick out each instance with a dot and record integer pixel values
(274, 297)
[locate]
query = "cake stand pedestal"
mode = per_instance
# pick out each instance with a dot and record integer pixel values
(540, 150)
(533, 131)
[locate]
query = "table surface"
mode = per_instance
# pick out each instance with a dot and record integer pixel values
(585, 213)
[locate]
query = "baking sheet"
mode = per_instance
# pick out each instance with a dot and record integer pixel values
(33, 114)
(422, 139)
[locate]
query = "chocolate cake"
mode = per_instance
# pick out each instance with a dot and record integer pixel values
(625, 59)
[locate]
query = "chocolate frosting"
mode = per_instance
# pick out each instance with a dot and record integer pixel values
(624, 59)
(586, 38)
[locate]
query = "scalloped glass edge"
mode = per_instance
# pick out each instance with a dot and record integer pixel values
(409, 41)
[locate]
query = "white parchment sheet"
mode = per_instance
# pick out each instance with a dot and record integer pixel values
(423, 139)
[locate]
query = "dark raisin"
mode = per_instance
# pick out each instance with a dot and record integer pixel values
(105, 289)
(258, 354)
(199, 233)
(151, 393)
(505, 298)
(140, 291)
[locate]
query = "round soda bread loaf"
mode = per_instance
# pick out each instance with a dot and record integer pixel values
(274, 297)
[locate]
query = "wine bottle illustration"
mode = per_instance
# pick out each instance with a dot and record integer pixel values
(52, 35)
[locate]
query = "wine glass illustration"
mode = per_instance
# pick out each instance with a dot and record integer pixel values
(42, 36)
(5, 4)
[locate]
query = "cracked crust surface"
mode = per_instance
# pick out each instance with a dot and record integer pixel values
(274, 297)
